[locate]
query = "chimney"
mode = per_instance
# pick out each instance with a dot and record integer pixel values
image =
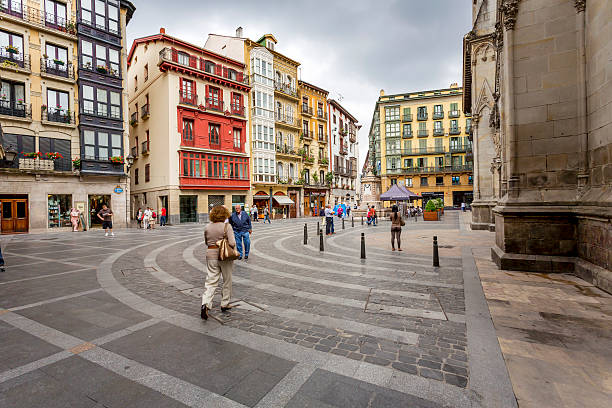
(454, 85)
(162, 30)
(382, 92)
(239, 32)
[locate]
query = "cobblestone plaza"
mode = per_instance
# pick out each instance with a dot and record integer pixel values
(89, 321)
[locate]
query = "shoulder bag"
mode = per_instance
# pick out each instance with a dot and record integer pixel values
(226, 252)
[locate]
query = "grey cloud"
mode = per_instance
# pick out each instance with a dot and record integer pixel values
(353, 48)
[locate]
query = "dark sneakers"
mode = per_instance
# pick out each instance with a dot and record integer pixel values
(204, 312)
(226, 308)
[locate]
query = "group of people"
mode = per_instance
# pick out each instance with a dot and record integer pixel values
(146, 219)
(255, 214)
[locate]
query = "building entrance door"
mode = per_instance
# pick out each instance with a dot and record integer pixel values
(14, 215)
(95, 205)
(307, 205)
(188, 208)
(293, 207)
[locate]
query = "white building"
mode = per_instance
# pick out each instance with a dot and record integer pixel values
(344, 153)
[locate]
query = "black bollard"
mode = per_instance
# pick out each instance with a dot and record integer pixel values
(363, 256)
(321, 241)
(305, 234)
(343, 223)
(436, 259)
(352, 221)
(362, 220)
(318, 228)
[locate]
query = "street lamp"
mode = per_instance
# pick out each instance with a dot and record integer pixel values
(129, 163)
(8, 155)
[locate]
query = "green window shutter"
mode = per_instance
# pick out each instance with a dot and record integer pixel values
(439, 143)
(454, 106)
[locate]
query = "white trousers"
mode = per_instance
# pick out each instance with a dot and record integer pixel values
(215, 269)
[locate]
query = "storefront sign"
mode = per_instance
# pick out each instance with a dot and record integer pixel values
(118, 190)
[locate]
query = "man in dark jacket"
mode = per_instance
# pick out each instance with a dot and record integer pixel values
(241, 223)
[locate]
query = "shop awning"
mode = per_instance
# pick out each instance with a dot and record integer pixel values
(283, 200)
(261, 197)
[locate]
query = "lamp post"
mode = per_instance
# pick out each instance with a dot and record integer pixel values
(8, 156)
(129, 162)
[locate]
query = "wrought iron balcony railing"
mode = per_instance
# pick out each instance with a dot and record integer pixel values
(38, 17)
(438, 132)
(144, 111)
(15, 109)
(438, 115)
(454, 114)
(11, 59)
(59, 116)
(454, 130)
(57, 68)
(423, 133)
(407, 117)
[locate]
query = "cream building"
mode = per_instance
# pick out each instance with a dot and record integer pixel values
(343, 153)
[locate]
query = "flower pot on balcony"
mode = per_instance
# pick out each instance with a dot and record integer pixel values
(430, 216)
(58, 62)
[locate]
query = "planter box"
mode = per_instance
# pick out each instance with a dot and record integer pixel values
(36, 164)
(430, 216)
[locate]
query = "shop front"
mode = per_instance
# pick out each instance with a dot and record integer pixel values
(282, 205)
(462, 197)
(58, 208)
(95, 205)
(314, 202)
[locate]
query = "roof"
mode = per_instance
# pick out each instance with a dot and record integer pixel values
(300, 82)
(397, 192)
(270, 36)
(174, 40)
(341, 109)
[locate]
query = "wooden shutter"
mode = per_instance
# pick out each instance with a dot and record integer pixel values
(225, 73)
(240, 77)
(174, 54)
(218, 69)
(193, 61)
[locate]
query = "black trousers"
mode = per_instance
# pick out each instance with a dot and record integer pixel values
(328, 225)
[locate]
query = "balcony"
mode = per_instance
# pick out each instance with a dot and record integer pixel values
(14, 60)
(306, 110)
(321, 114)
(134, 119)
(237, 109)
(57, 68)
(58, 116)
(454, 130)
(433, 170)
(468, 129)
(101, 165)
(407, 118)
(422, 116)
(134, 151)
(438, 115)
(342, 132)
(344, 149)
(200, 66)
(17, 110)
(38, 18)
(423, 150)
(144, 111)
(459, 148)
(214, 104)
(423, 133)
(454, 114)
(438, 132)
(352, 137)
(285, 89)
(231, 183)
(286, 151)
(145, 147)
(324, 161)
(322, 137)
(43, 165)
(286, 120)
(188, 98)
(340, 170)
(407, 135)
(308, 160)
(100, 69)
(306, 135)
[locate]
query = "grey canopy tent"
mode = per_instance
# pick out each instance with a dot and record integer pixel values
(398, 193)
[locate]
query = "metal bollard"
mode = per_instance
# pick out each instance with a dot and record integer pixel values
(343, 223)
(318, 228)
(363, 256)
(305, 234)
(321, 241)
(436, 259)
(362, 220)
(352, 221)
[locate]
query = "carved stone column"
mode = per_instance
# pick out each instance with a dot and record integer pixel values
(583, 174)
(476, 160)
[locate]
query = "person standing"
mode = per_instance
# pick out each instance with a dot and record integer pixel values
(255, 213)
(74, 219)
(463, 206)
(106, 215)
(163, 218)
(348, 210)
(267, 216)
(396, 228)
(1, 257)
(374, 216)
(329, 220)
(139, 217)
(214, 232)
(241, 224)
(146, 218)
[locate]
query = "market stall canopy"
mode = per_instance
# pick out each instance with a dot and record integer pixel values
(283, 200)
(261, 197)
(398, 193)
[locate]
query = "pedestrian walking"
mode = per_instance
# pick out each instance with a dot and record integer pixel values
(396, 228)
(163, 218)
(241, 224)
(369, 217)
(329, 220)
(215, 231)
(374, 216)
(146, 218)
(74, 219)
(153, 218)
(267, 216)
(463, 206)
(106, 215)
(139, 215)
(1, 257)
(348, 210)
(254, 213)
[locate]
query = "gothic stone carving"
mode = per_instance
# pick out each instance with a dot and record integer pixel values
(580, 5)
(509, 9)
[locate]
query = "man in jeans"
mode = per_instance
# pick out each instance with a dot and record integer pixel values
(329, 220)
(162, 218)
(106, 215)
(241, 223)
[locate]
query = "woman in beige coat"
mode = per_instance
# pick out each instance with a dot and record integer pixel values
(213, 233)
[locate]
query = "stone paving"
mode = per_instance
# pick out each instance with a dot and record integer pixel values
(114, 322)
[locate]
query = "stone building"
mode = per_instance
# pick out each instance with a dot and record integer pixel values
(538, 81)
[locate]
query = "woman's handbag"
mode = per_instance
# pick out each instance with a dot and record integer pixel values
(226, 252)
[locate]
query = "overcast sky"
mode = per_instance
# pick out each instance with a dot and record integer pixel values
(351, 48)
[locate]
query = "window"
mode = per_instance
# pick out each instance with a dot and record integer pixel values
(187, 130)
(14, 42)
(424, 181)
(113, 18)
(86, 9)
(12, 99)
(214, 166)
(103, 59)
(232, 74)
(147, 173)
(393, 181)
(392, 113)
(237, 139)
(55, 13)
(437, 109)
(98, 145)
(392, 129)
(454, 106)
(334, 119)
(407, 130)
(146, 72)
(455, 143)
(214, 98)
(57, 59)
(209, 66)
(183, 58)
(456, 180)
(409, 182)
(213, 133)
(407, 163)
(136, 85)
(440, 181)
(57, 106)
(101, 102)
(187, 90)
(421, 162)
(61, 146)
(438, 125)
(422, 113)
(59, 206)
(136, 176)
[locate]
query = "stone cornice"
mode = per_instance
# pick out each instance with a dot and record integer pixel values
(509, 9)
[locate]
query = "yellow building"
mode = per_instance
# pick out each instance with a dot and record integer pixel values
(314, 146)
(420, 140)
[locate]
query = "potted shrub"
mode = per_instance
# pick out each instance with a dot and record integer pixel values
(76, 163)
(54, 156)
(431, 211)
(329, 177)
(32, 155)
(315, 178)
(58, 62)
(116, 159)
(11, 49)
(102, 69)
